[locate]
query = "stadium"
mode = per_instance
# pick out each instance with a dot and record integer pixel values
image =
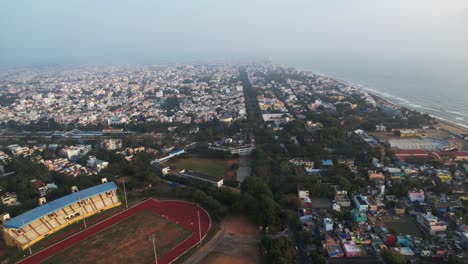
(178, 226)
(29, 228)
(186, 215)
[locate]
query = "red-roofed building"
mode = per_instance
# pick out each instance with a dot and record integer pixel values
(38, 183)
(408, 154)
(40, 187)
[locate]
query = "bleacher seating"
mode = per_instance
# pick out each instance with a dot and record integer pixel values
(32, 226)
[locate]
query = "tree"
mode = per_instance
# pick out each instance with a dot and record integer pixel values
(392, 257)
(399, 189)
(235, 166)
(290, 201)
(452, 259)
(266, 210)
(256, 187)
(279, 250)
(317, 258)
(171, 104)
(304, 237)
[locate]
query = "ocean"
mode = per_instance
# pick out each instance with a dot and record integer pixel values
(436, 88)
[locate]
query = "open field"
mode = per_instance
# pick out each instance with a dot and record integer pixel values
(128, 241)
(236, 243)
(166, 218)
(210, 167)
(404, 227)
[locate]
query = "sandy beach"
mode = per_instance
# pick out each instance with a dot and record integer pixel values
(443, 124)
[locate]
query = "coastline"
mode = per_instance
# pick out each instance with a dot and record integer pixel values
(442, 123)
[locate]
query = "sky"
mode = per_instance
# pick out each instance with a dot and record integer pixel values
(151, 31)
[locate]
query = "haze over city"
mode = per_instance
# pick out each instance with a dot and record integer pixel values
(43, 32)
(234, 131)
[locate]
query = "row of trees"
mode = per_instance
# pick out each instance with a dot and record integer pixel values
(279, 250)
(255, 201)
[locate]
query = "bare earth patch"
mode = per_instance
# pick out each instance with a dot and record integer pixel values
(239, 245)
(216, 257)
(239, 225)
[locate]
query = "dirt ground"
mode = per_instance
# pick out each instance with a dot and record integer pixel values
(239, 243)
(230, 172)
(240, 226)
(222, 258)
(452, 127)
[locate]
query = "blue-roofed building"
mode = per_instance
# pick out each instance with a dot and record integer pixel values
(177, 152)
(172, 154)
(361, 203)
(32, 226)
(327, 163)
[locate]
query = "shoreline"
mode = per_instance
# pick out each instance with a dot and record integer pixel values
(444, 124)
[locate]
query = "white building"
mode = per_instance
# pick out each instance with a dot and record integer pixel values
(416, 195)
(96, 164)
(328, 224)
(9, 199)
(302, 193)
(111, 144)
(431, 223)
(75, 152)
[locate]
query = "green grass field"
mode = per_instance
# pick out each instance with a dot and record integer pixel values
(405, 227)
(210, 167)
(126, 242)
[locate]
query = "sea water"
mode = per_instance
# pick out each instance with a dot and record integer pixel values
(438, 89)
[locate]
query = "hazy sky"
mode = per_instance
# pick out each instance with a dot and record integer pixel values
(144, 31)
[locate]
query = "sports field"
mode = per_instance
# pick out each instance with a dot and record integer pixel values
(210, 167)
(128, 241)
(179, 225)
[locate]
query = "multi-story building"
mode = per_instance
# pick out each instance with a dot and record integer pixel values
(376, 176)
(350, 249)
(431, 223)
(111, 144)
(302, 162)
(371, 203)
(328, 224)
(341, 198)
(360, 203)
(75, 152)
(416, 196)
(9, 199)
(302, 193)
(96, 165)
(444, 175)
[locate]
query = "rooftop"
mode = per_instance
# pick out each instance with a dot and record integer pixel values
(48, 208)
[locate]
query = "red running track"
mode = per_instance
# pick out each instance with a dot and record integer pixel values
(183, 213)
